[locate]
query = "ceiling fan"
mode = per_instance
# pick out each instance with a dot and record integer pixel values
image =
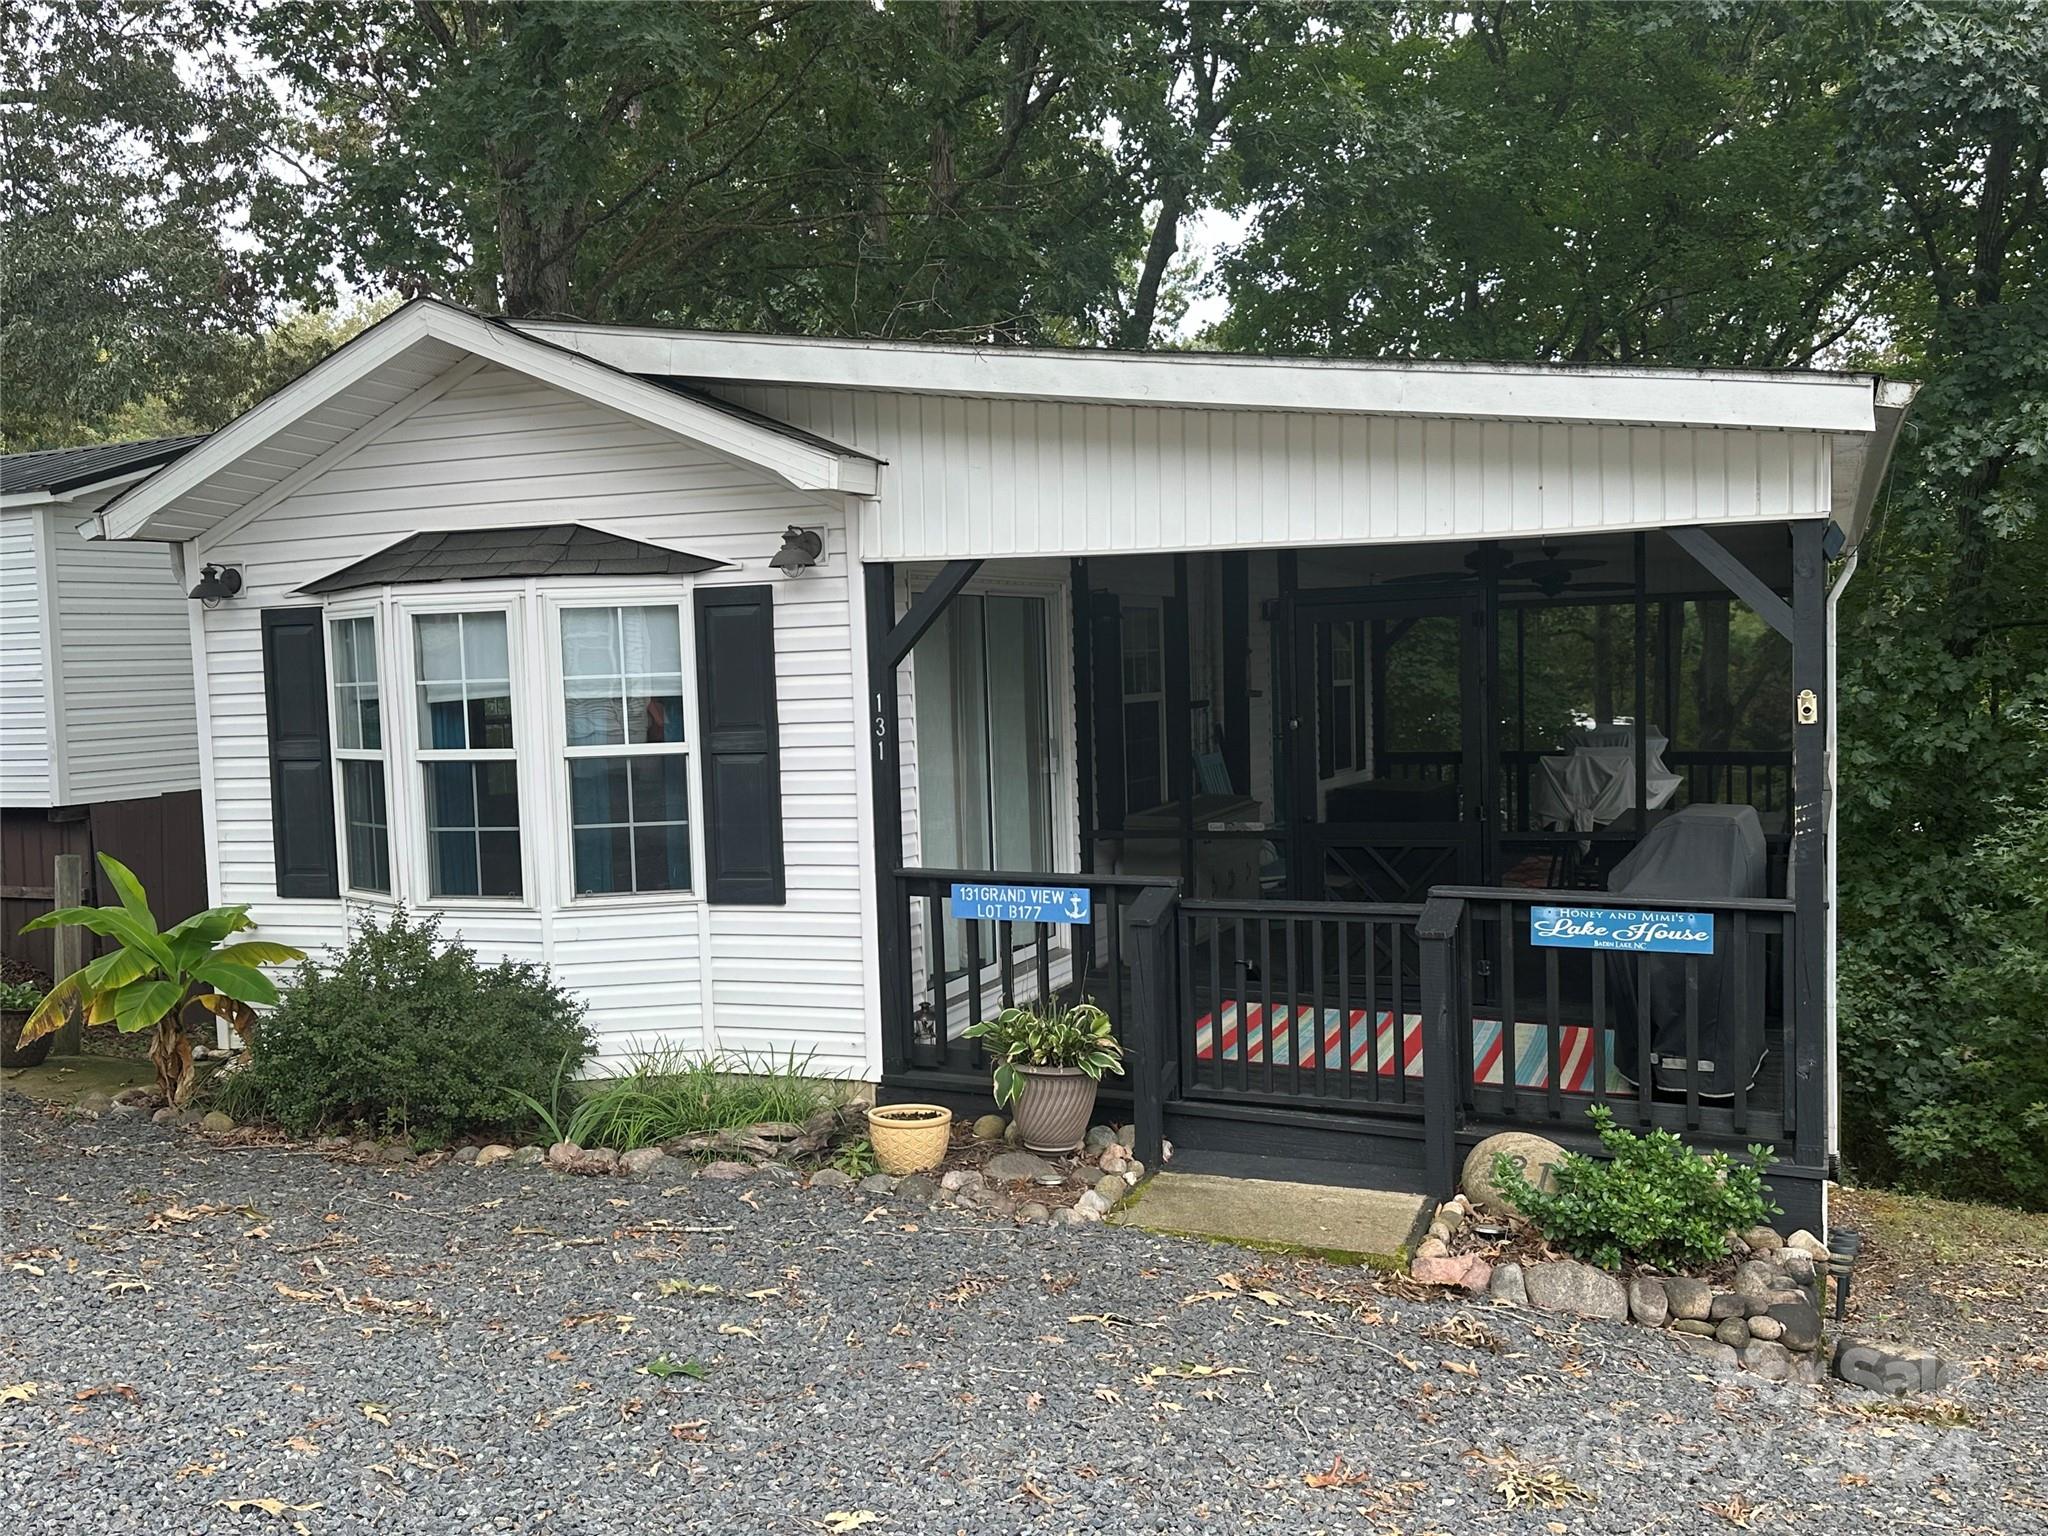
(1548, 575)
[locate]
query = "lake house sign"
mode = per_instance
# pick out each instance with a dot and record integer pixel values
(1666, 933)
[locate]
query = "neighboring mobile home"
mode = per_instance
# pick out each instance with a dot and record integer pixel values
(99, 741)
(705, 667)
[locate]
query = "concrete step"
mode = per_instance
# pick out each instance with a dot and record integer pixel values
(1367, 1226)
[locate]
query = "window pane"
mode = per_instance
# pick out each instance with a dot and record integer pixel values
(661, 858)
(603, 859)
(370, 709)
(655, 714)
(490, 716)
(660, 788)
(498, 861)
(451, 795)
(497, 795)
(364, 816)
(452, 863)
(483, 648)
(440, 646)
(653, 640)
(356, 721)
(597, 791)
(590, 642)
(593, 712)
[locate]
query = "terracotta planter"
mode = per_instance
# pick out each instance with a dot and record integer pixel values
(909, 1138)
(1054, 1108)
(12, 1052)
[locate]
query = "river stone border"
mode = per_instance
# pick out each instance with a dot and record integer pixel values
(1768, 1320)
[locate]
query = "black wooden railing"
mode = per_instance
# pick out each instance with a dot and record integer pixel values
(1704, 1045)
(1301, 1003)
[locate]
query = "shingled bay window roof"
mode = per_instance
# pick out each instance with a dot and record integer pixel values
(485, 554)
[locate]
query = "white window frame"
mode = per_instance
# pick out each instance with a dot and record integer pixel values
(532, 799)
(559, 753)
(341, 613)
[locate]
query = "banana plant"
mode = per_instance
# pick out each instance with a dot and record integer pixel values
(147, 982)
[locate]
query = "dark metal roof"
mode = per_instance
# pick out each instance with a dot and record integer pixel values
(553, 549)
(57, 470)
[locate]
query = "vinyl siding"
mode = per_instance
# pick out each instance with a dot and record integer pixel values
(125, 655)
(987, 477)
(24, 676)
(499, 450)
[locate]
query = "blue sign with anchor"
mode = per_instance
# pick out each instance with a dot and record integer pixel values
(1663, 933)
(1023, 903)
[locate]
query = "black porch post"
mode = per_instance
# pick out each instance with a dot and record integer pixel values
(1642, 702)
(1808, 871)
(1084, 709)
(1180, 725)
(892, 935)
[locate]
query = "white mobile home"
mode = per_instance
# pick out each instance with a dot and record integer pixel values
(99, 739)
(705, 667)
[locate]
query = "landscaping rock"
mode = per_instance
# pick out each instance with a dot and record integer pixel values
(1732, 1331)
(1768, 1360)
(1012, 1137)
(1468, 1271)
(725, 1171)
(329, 1146)
(496, 1152)
(831, 1178)
(1006, 1167)
(1798, 1265)
(643, 1162)
(1112, 1187)
(165, 1116)
(599, 1160)
(98, 1103)
(1165, 1150)
(962, 1178)
(1100, 1139)
(213, 1120)
(1031, 1212)
(1688, 1297)
(1432, 1248)
(1439, 1231)
(527, 1157)
(139, 1098)
(1801, 1324)
(1893, 1368)
(778, 1173)
(1758, 1277)
(1113, 1160)
(1647, 1303)
(1069, 1216)
(1766, 1327)
(1569, 1286)
(564, 1155)
(1725, 1306)
(1696, 1327)
(1093, 1204)
(397, 1152)
(990, 1128)
(1809, 1245)
(1708, 1349)
(1536, 1156)
(1134, 1170)
(465, 1155)
(917, 1189)
(1762, 1240)
(1506, 1286)
(1127, 1136)
(874, 1183)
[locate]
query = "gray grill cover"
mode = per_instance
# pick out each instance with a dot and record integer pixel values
(1702, 852)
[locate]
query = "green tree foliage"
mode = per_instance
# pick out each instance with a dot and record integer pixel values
(132, 154)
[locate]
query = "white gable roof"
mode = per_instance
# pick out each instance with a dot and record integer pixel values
(267, 452)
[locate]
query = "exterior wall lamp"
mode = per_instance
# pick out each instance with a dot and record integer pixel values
(216, 584)
(801, 549)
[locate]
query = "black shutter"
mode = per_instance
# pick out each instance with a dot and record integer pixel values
(301, 773)
(1106, 651)
(742, 764)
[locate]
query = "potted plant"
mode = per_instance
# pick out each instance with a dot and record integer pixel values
(1049, 1062)
(909, 1138)
(17, 1001)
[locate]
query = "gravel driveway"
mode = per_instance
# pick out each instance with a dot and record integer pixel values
(453, 1349)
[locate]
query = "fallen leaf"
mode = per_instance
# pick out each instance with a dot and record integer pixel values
(20, 1392)
(840, 1521)
(262, 1506)
(378, 1413)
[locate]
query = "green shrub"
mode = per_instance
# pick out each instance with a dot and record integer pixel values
(1652, 1201)
(1047, 1035)
(668, 1093)
(401, 1032)
(19, 996)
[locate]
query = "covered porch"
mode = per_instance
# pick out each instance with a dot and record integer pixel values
(1316, 796)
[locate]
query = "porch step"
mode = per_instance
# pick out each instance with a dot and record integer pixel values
(1369, 1226)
